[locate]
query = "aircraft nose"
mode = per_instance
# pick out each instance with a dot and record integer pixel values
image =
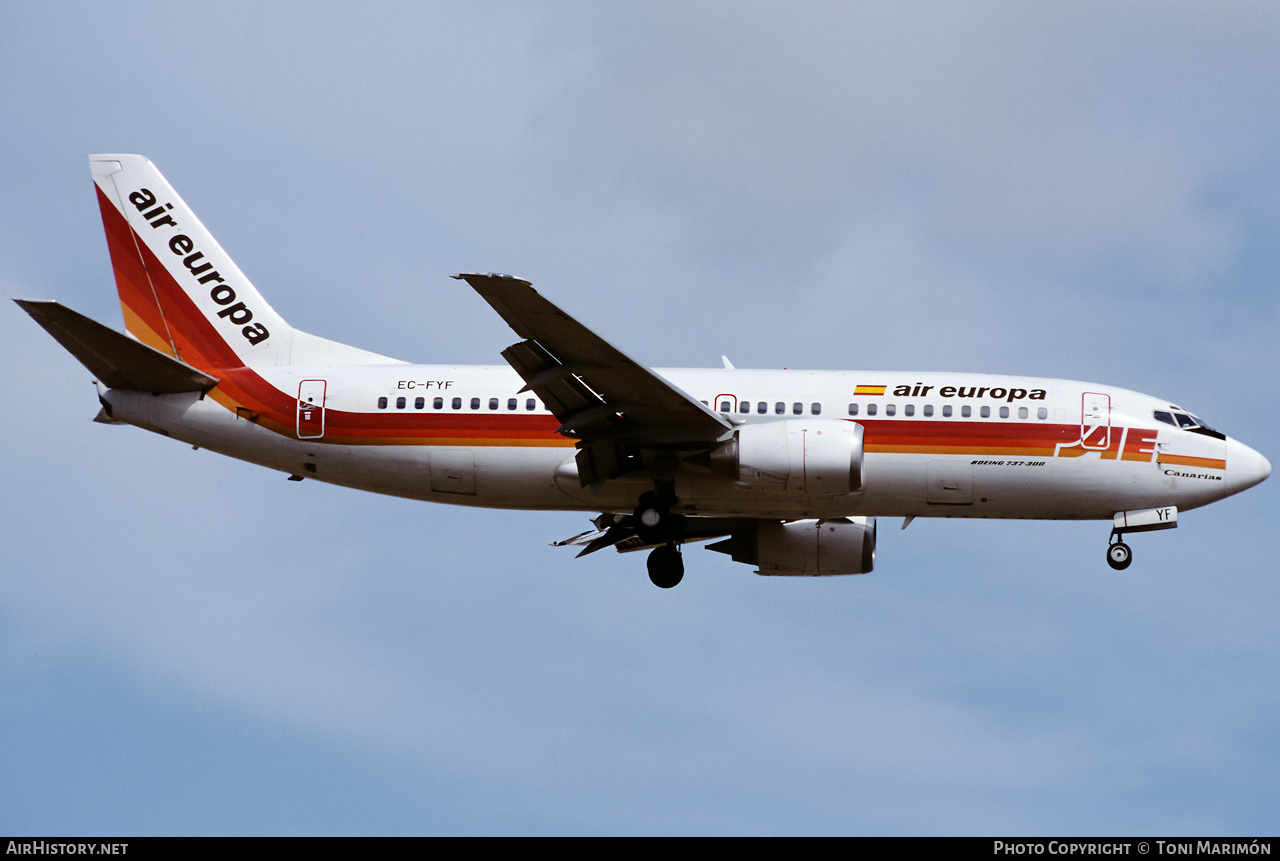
(1245, 467)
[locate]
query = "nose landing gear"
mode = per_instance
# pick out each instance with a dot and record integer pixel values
(1140, 520)
(1118, 554)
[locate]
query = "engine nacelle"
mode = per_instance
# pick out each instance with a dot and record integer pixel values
(806, 548)
(815, 457)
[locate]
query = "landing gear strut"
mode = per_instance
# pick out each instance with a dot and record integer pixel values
(655, 524)
(666, 566)
(1118, 553)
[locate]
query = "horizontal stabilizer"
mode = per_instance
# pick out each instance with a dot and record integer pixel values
(118, 361)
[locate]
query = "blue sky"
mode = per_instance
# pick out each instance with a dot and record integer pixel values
(189, 644)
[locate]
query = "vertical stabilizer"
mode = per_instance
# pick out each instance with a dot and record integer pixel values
(179, 291)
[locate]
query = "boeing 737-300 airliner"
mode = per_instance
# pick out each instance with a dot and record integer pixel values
(785, 470)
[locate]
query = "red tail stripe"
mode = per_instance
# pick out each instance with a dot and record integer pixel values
(142, 281)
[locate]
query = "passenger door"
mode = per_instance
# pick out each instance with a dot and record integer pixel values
(1095, 421)
(311, 395)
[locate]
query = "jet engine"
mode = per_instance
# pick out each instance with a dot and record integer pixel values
(820, 457)
(806, 548)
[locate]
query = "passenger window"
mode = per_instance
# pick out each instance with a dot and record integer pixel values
(1042, 413)
(779, 408)
(928, 410)
(966, 411)
(816, 409)
(475, 403)
(419, 403)
(493, 403)
(382, 403)
(1004, 412)
(762, 408)
(725, 406)
(744, 406)
(1022, 412)
(909, 409)
(797, 408)
(890, 409)
(985, 412)
(399, 403)
(457, 403)
(853, 409)
(946, 411)
(530, 404)
(437, 404)
(511, 403)
(871, 409)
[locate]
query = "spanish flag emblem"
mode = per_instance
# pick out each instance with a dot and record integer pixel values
(869, 390)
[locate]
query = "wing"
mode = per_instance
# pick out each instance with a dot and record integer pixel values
(597, 392)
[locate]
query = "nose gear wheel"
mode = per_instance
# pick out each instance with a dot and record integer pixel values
(1119, 556)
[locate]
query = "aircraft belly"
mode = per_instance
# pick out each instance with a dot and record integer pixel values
(197, 420)
(930, 485)
(500, 476)
(484, 476)
(919, 485)
(1086, 487)
(521, 477)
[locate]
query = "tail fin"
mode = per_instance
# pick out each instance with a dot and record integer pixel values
(180, 292)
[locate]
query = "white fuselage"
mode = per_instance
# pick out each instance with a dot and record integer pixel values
(936, 444)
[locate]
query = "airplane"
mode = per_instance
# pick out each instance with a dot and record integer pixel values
(786, 470)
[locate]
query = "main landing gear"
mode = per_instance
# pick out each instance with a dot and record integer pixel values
(666, 566)
(655, 523)
(1118, 553)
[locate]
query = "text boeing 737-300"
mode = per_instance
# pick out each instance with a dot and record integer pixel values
(788, 469)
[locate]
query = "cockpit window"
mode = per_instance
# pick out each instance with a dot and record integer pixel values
(1203, 428)
(1186, 421)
